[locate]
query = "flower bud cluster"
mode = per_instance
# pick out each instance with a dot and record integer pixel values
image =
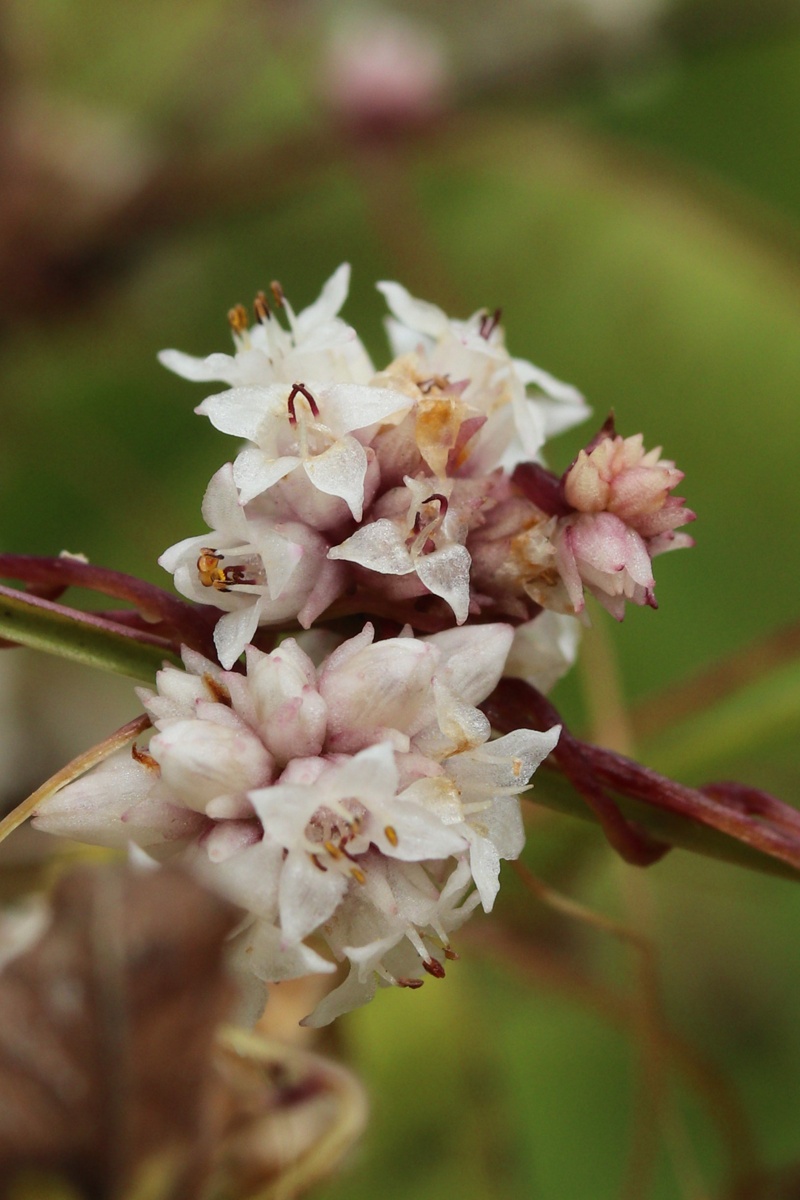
(353, 804)
(397, 493)
(359, 804)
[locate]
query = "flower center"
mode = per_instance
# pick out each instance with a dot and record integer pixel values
(249, 572)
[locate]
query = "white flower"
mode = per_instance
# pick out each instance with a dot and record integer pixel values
(303, 426)
(317, 345)
(474, 350)
(258, 566)
(358, 802)
(426, 539)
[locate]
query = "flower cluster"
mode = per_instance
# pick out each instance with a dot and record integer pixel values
(401, 493)
(344, 790)
(359, 801)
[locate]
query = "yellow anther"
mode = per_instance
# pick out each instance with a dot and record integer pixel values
(358, 874)
(238, 320)
(391, 834)
(333, 849)
(516, 766)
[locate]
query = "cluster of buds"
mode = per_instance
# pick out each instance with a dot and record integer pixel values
(359, 800)
(343, 789)
(401, 494)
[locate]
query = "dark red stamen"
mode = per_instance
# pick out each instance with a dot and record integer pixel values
(434, 968)
(490, 323)
(301, 390)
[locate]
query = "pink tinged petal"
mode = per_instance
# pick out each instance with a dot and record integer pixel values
(254, 473)
(382, 687)
(417, 314)
(155, 823)
(352, 993)
(234, 807)
(262, 950)
(177, 696)
(445, 573)
(340, 471)
(291, 715)
(249, 878)
(307, 896)
(473, 658)
(669, 541)
(329, 584)
(91, 808)
(379, 546)
(200, 761)
(230, 837)
(568, 567)
(637, 561)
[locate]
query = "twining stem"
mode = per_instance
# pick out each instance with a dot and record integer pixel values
(73, 770)
(183, 622)
(751, 818)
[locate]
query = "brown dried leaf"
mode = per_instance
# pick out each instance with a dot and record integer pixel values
(290, 1117)
(106, 1034)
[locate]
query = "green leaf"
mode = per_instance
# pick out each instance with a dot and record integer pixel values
(29, 624)
(552, 790)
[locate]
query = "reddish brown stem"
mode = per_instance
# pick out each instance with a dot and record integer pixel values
(179, 621)
(752, 817)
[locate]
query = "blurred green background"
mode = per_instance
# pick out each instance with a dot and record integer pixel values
(622, 177)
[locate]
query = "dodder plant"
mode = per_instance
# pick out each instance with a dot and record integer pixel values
(350, 699)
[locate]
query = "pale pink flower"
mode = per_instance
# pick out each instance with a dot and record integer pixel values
(359, 801)
(256, 563)
(623, 517)
(384, 72)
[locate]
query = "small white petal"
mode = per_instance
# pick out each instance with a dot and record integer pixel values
(445, 573)
(379, 546)
(417, 314)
